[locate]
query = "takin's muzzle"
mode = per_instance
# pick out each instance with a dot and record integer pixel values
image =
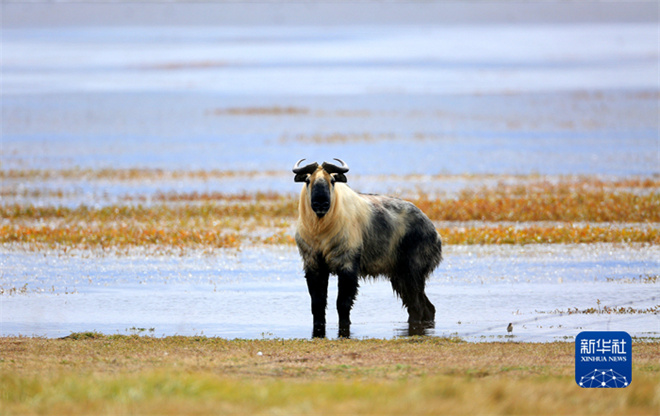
(320, 197)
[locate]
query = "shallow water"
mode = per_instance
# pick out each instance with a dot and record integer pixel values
(260, 292)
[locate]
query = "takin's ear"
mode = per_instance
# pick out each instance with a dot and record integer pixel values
(339, 177)
(302, 173)
(301, 177)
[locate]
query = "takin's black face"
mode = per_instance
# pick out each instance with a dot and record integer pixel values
(320, 183)
(320, 192)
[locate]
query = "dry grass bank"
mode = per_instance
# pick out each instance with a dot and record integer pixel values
(95, 374)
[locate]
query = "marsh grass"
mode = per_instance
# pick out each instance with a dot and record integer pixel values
(545, 202)
(154, 175)
(587, 201)
(90, 373)
(106, 235)
(262, 111)
(570, 210)
(129, 174)
(535, 234)
(648, 278)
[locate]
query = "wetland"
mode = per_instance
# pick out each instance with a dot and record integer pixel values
(146, 176)
(147, 204)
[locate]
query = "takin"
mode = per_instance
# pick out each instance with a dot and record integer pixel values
(353, 235)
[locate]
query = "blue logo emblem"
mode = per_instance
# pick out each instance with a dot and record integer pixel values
(603, 359)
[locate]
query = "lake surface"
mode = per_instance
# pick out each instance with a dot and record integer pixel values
(476, 95)
(497, 98)
(261, 292)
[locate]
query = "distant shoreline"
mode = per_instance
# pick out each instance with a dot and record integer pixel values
(44, 15)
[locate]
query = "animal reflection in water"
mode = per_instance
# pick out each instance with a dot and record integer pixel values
(354, 236)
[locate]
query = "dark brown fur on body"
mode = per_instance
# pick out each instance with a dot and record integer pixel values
(356, 235)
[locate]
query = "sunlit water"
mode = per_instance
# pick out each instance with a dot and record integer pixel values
(261, 292)
(547, 98)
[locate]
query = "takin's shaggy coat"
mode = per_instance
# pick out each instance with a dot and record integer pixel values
(356, 235)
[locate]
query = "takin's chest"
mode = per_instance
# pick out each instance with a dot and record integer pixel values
(336, 252)
(363, 256)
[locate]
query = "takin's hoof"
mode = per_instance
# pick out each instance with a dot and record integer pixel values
(344, 329)
(427, 315)
(420, 328)
(344, 332)
(419, 319)
(318, 331)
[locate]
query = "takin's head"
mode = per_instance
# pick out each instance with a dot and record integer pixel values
(320, 183)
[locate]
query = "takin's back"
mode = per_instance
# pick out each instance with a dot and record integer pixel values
(398, 240)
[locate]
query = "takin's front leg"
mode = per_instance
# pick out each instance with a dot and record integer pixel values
(317, 284)
(348, 289)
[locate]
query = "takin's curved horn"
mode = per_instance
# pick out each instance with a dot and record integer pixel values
(330, 168)
(302, 172)
(338, 171)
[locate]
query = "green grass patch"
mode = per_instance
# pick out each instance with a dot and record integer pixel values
(89, 373)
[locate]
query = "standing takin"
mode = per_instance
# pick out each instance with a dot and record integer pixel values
(356, 235)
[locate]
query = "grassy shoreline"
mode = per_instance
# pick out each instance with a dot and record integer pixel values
(92, 373)
(565, 210)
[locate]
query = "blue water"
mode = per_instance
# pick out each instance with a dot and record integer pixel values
(261, 292)
(546, 98)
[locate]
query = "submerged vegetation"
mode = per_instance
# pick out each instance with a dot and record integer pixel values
(532, 210)
(608, 310)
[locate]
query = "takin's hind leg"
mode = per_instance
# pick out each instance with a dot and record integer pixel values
(428, 314)
(420, 310)
(411, 292)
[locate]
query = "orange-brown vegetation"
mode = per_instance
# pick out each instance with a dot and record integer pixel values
(262, 111)
(573, 210)
(546, 202)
